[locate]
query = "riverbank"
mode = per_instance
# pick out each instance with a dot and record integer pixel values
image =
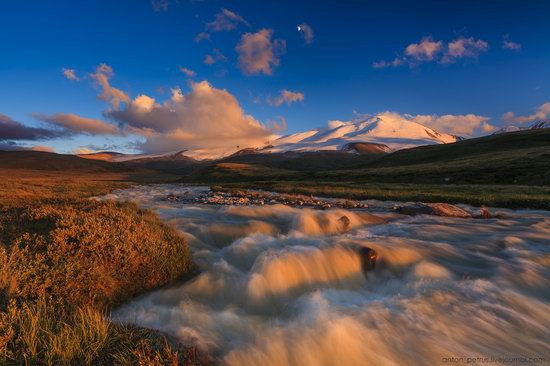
(504, 196)
(66, 261)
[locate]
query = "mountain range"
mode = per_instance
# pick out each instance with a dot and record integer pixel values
(362, 135)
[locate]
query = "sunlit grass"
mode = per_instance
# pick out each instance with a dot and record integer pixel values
(65, 261)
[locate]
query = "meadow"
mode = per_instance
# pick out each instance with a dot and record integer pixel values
(66, 261)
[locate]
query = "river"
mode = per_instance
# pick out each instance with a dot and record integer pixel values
(280, 285)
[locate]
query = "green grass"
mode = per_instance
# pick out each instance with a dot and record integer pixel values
(65, 261)
(510, 196)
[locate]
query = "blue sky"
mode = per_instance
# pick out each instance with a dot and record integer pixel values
(145, 43)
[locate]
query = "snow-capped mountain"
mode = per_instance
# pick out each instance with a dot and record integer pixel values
(395, 133)
(379, 134)
(543, 123)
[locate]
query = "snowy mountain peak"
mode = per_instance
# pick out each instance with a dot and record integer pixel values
(389, 129)
(543, 123)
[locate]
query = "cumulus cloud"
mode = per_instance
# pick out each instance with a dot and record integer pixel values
(190, 73)
(542, 112)
(69, 74)
(286, 96)
(13, 130)
(109, 94)
(75, 124)
(430, 50)
(464, 47)
(225, 20)
(462, 124)
(307, 33)
(205, 118)
(258, 53)
(160, 5)
(427, 49)
(215, 56)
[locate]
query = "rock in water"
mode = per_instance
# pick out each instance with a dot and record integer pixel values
(447, 210)
(368, 258)
(345, 222)
(416, 209)
(438, 209)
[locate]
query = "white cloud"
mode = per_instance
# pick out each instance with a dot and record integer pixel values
(542, 112)
(307, 32)
(109, 94)
(205, 118)
(190, 73)
(70, 74)
(509, 45)
(286, 96)
(383, 64)
(258, 53)
(160, 5)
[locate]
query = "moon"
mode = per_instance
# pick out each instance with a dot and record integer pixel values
(299, 29)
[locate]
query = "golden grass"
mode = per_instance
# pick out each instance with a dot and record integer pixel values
(66, 260)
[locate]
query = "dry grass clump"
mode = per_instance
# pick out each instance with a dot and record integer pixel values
(87, 253)
(65, 261)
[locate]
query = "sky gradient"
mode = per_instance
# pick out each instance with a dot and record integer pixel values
(76, 69)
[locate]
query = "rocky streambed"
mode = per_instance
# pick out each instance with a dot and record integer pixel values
(261, 198)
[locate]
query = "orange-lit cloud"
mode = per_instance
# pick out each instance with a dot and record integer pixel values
(190, 73)
(205, 118)
(225, 20)
(286, 96)
(542, 112)
(464, 47)
(70, 74)
(215, 56)
(461, 124)
(109, 94)
(429, 50)
(79, 125)
(258, 53)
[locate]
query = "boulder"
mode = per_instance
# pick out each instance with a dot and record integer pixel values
(448, 210)
(437, 209)
(368, 259)
(345, 222)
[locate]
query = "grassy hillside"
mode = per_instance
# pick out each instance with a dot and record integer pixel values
(65, 261)
(515, 158)
(520, 158)
(39, 160)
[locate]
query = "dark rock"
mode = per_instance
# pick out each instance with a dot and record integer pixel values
(448, 210)
(437, 209)
(368, 259)
(345, 221)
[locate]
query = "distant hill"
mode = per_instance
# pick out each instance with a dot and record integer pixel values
(512, 158)
(521, 157)
(38, 160)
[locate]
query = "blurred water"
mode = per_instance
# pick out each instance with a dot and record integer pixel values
(284, 286)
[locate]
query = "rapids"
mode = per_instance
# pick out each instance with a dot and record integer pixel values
(284, 286)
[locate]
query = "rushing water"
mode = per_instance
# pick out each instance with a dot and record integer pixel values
(284, 286)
